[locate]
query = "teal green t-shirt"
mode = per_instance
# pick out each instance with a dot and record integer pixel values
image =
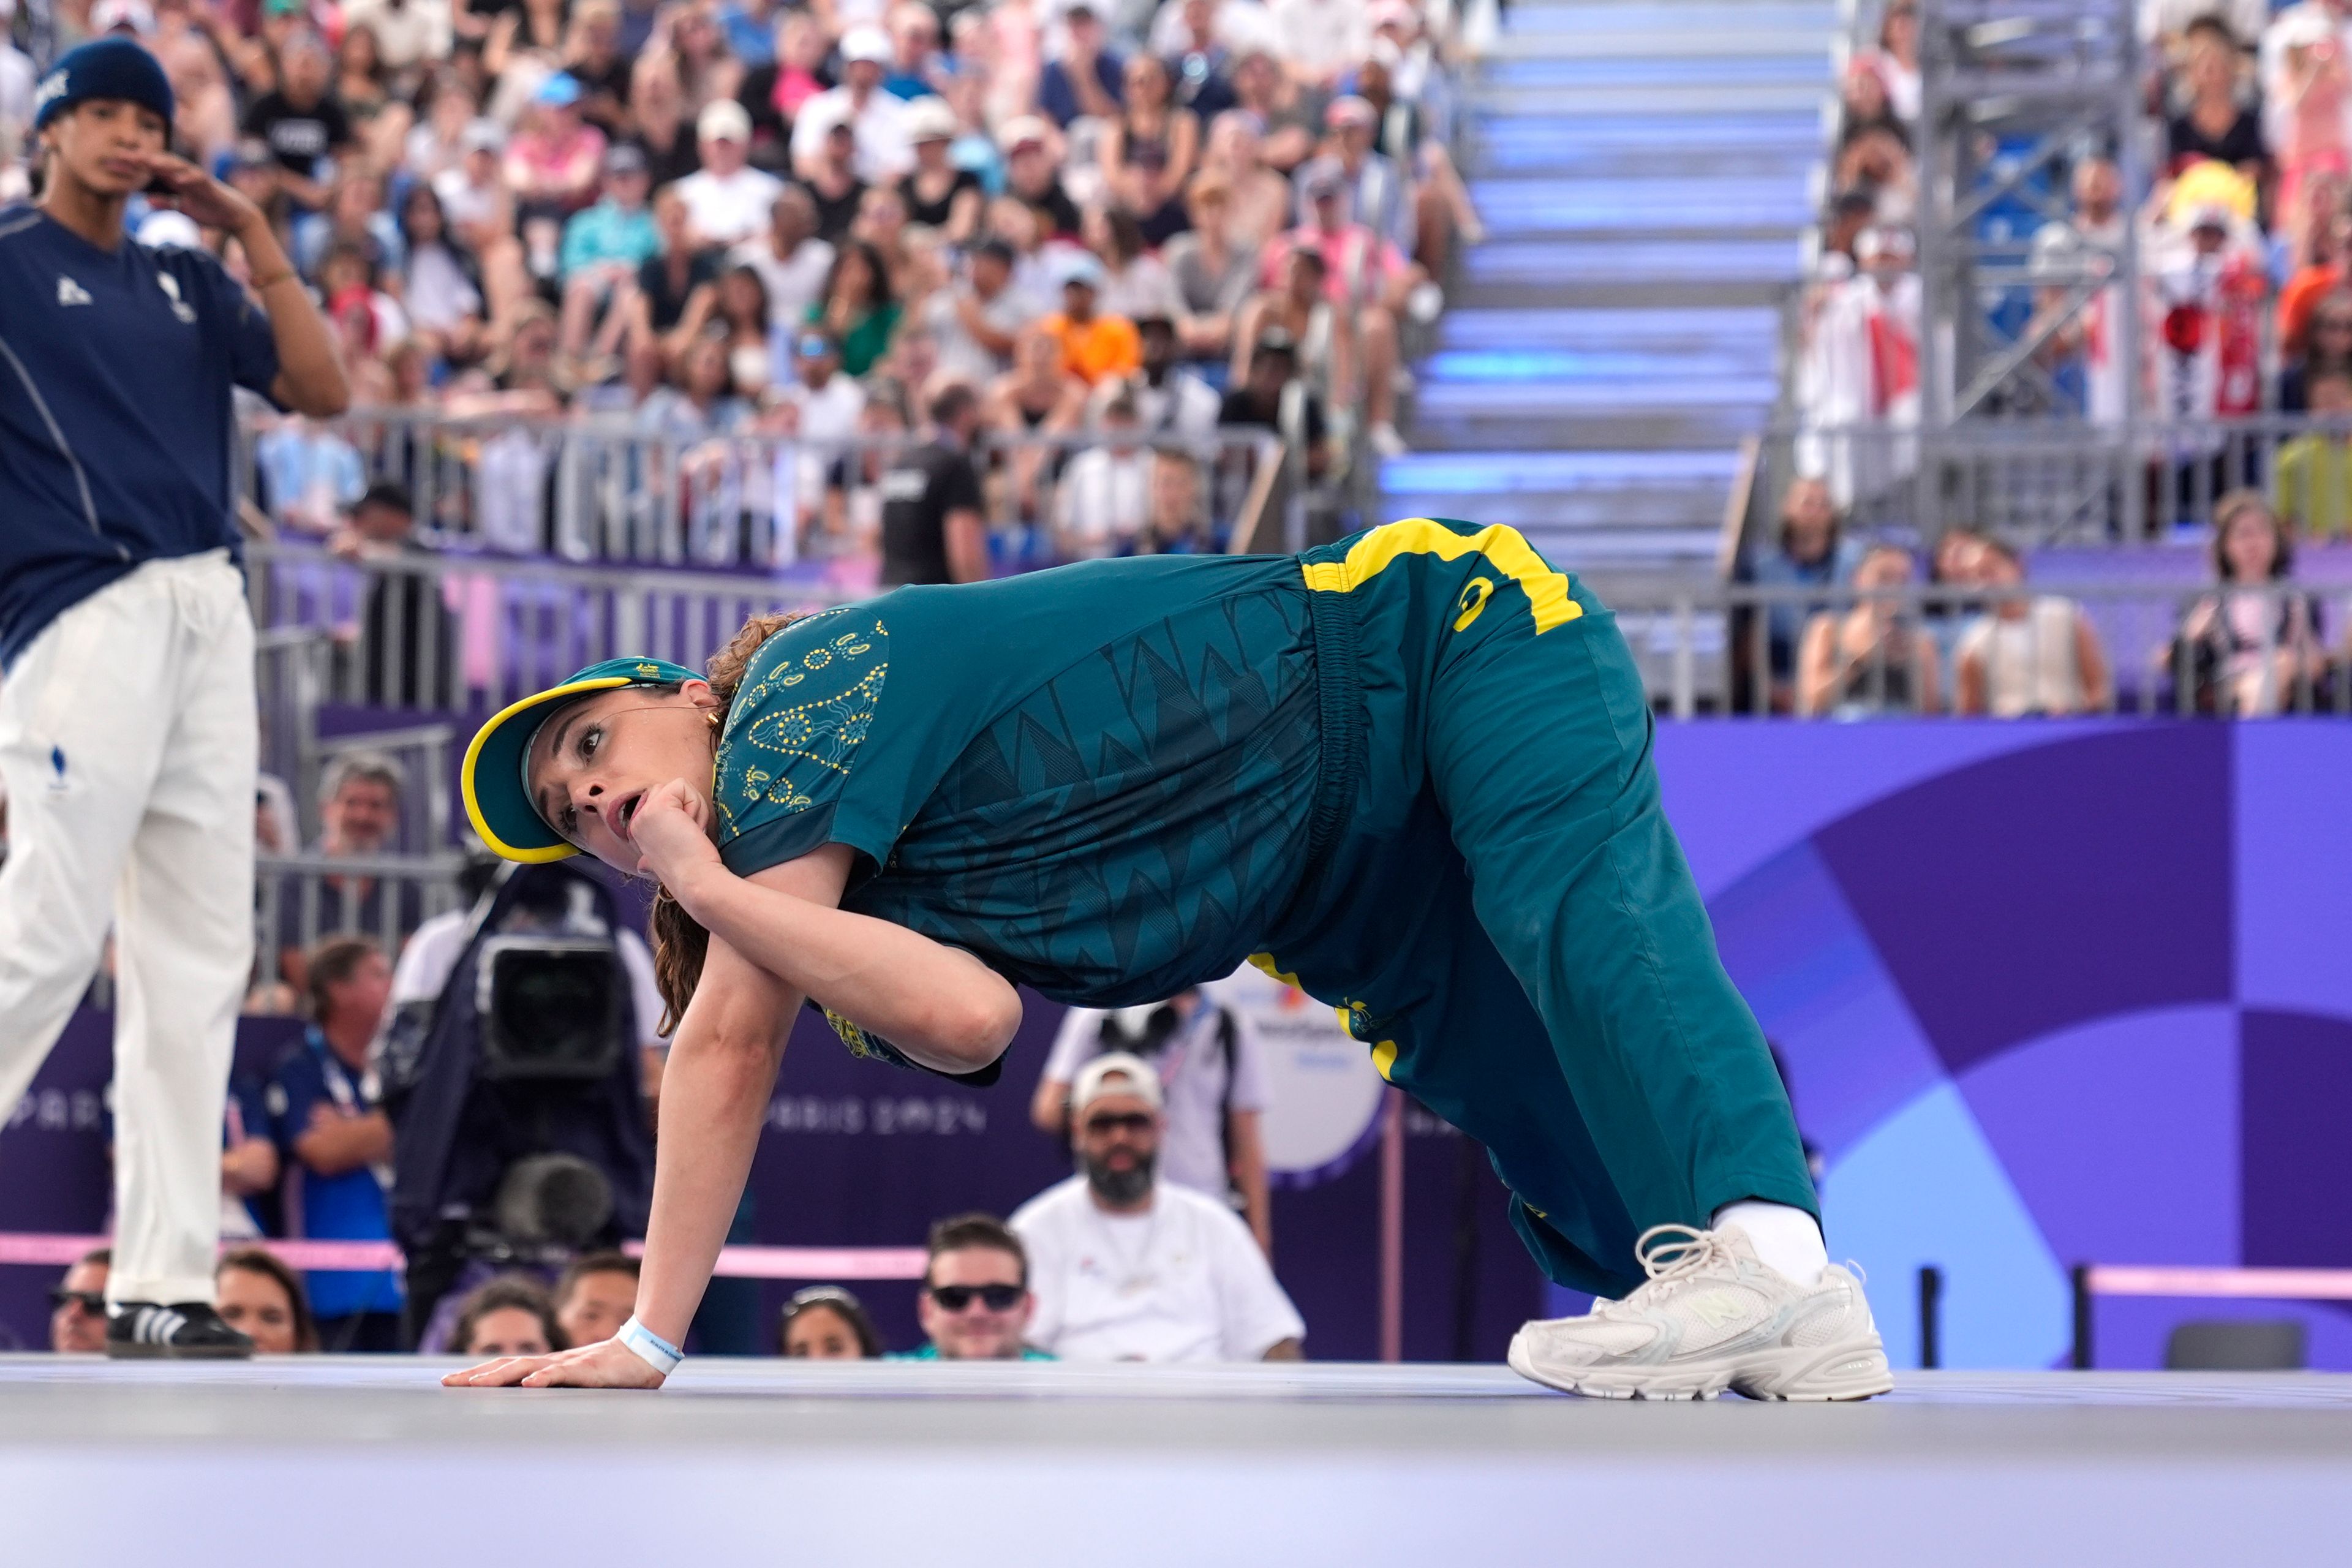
(1098, 779)
(932, 1353)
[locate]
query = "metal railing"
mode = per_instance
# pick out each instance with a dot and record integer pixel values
(2156, 650)
(302, 900)
(2045, 482)
(606, 488)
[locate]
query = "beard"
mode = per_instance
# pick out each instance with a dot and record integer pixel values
(1121, 1188)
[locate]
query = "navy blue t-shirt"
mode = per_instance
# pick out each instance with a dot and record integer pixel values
(116, 374)
(348, 1207)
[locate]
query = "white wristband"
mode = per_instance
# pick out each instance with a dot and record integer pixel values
(650, 1347)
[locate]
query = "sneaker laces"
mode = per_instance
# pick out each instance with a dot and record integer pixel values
(1672, 1256)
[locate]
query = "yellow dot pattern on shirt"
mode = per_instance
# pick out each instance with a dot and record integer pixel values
(812, 738)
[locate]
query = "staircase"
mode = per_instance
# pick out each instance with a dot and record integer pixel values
(1643, 170)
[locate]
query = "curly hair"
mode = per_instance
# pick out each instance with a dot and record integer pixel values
(679, 942)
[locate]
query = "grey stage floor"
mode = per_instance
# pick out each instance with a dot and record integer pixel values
(1040, 1465)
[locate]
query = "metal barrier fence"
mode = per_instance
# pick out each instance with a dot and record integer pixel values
(2044, 648)
(302, 900)
(606, 488)
(2058, 482)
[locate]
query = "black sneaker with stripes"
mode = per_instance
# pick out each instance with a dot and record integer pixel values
(187, 1330)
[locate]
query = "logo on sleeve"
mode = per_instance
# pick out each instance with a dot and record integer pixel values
(71, 294)
(180, 308)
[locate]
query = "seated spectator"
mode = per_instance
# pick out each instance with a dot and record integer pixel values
(553, 164)
(834, 190)
(727, 200)
(1038, 393)
(974, 1304)
(2034, 655)
(441, 282)
(2312, 486)
(1033, 171)
(2327, 351)
(1367, 278)
(1089, 76)
(595, 1295)
(300, 121)
(407, 644)
(776, 92)
(669, 282)
(1877, 159)
(480, 212)
(1273, 396)
(1809, 548)
(2307, 96)
(857, 484)
(915, 69)
(792, 261)
(657, 110)
(1443, 215)
(359, 812)
(78, 1306)
(1896, 60)
(858, 312)
(354, 217)
(1213, 276)
(2252, 647)
(336, 1141)
(1276, 107)
(1126, 1267)
(1179, 525)
(605, 249)
(1196, 38)
(976, 320)
(1104, 498)
(1094, 345)
(1135, 283)
(1171, 399)
(1150, 151)
(263, 1299)
(1376, 191)
(1210, 1059)
(2085, 336)
(593, 56)
(876, 120)
(2216, 124)
(1261, 197)
(936, 193)
(1873, 658)
(826, 1323)
(508, 1315)
(310, 473)
(819, 409)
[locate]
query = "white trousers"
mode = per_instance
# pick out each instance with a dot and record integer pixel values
(130, 745)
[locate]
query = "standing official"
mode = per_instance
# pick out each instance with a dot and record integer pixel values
(127, 722)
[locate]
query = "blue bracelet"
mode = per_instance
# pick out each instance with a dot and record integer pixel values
(650, 1347)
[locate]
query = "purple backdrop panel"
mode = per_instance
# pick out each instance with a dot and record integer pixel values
(2122, 1135)
(2293, 1103)
(2294, 867)
(1738, 793)
(2061, 884)
(1853, 1053)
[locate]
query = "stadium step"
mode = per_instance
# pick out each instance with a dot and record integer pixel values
(1644, 172)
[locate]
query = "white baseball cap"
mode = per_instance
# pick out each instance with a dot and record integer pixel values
(723, 119)
(1115, 1072)
(867, 43)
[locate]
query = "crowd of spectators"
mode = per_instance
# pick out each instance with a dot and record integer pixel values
(716, 220)
(1158, 1247)
(2243, 309)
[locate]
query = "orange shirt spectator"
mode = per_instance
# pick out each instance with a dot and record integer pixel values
(2299, 299)
(1093, 347)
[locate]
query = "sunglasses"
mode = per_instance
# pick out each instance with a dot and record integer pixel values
(995, 1298)
(1129, 1121)
(90, 1301)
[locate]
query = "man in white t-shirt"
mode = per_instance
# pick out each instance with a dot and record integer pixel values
(790, 260)
(1213, 1081)
(1126, 1267)
(727, 200)
(877, 119)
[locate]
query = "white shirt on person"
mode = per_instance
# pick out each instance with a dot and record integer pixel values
(1193, 1081)
(1103, 501)
(1181, 1281)
(793, 282)
(725, 208)
(405, 32)
(884, 153)
(1321, 36)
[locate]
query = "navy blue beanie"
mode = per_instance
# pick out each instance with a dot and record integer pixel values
(103, 68)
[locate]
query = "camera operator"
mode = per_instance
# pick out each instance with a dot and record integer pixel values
(517, 1060)
(1213, 1076)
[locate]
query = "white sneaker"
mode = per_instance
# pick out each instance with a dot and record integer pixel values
(1384, 440)
(1711, 1317)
